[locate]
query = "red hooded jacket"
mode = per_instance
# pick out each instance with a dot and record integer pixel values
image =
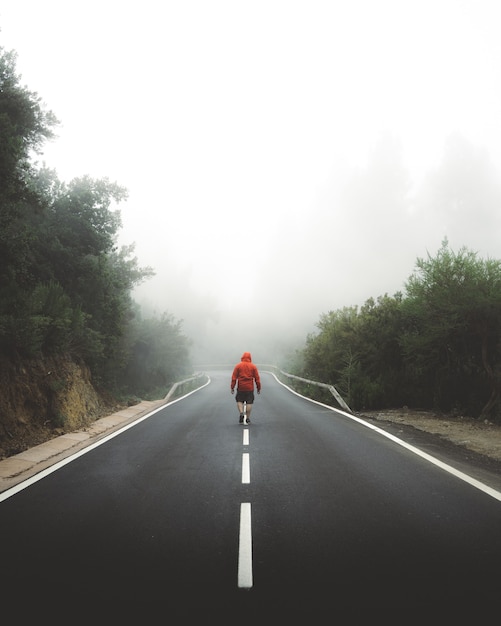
(246, 373)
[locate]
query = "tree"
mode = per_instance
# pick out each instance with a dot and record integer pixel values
(78, 224)
(158, 355)
(381, 381)
(358, 351)
(452, 339)
(65, 285)
(24, 126)
(331, 355)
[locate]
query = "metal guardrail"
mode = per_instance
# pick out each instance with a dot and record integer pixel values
(330, 388)
(275, 369)
(184, 383)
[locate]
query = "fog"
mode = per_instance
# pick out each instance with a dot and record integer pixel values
(283, 159)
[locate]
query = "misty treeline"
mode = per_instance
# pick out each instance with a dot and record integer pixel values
(65, 285)
(437, 346)
(65, 289)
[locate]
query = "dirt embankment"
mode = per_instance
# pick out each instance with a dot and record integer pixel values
(44, 398)
(481, 437)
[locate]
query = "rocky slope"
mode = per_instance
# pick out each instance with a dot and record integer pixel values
(44, 398)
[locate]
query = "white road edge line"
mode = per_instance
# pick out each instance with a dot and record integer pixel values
(245, 468)
(490, 491)
(245, 547)
(42, 474)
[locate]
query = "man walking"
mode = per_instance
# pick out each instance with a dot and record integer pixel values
(245, 375)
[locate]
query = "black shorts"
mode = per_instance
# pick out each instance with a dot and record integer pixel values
(245, 396)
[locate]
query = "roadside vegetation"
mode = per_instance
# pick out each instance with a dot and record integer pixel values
(65, 290)
(65, 285)
(436, 346)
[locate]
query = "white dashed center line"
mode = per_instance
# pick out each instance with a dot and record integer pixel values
(245, 547)
(245, 468)
(246, 437)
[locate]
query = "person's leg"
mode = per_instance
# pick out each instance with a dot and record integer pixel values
(250, 401)
(240, 407)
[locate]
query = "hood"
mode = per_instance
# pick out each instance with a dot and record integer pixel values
(246, 356)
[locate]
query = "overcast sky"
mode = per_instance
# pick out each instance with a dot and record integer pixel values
(283, 158)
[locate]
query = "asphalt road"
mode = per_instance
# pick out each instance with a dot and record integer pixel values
(304, 515)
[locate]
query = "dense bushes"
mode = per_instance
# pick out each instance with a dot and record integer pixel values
(438, 346)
